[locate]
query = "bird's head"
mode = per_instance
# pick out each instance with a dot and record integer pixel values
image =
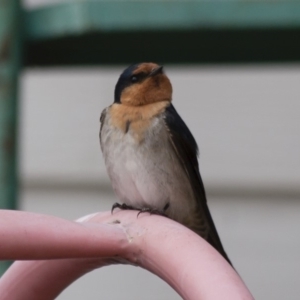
(142, 84)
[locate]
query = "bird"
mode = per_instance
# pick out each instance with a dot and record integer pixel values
(150, 154)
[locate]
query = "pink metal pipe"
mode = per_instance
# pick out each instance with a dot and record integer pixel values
(25, 235)
(180, 257)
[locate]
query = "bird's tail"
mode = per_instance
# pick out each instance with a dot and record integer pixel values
(214, 240)
(202, 223)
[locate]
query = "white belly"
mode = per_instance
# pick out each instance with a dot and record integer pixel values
(146, 174)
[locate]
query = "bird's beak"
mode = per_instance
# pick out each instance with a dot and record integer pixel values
(156, 71)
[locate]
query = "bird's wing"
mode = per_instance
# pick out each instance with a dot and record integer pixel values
(102, 120)
(186, 149)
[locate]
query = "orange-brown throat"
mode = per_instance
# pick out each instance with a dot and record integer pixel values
(137, 118)
(153, 89)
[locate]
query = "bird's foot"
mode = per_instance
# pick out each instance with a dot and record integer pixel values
(150, 210)
(121, 206)
(154, 211)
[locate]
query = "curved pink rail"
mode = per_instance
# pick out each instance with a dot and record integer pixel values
(180, 257)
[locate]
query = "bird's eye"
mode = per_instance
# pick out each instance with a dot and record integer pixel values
(133, 79)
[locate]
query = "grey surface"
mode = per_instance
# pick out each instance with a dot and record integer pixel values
(246, 121)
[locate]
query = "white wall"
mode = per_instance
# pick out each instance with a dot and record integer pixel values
(245, 120)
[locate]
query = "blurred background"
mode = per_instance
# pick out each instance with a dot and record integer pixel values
(235, 71)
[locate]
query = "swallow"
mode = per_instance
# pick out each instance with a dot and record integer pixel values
(150, 154)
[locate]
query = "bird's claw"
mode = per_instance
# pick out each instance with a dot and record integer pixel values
(152, 211)
(120, 206)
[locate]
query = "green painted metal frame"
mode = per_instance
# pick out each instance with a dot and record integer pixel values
(10, 16)
(114, 32)
(108, 16)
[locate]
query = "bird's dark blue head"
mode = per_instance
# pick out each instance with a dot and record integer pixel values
(124, 81)
(138, 81)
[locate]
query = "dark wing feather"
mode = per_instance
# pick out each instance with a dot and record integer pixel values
(187, 151)
(102, 120)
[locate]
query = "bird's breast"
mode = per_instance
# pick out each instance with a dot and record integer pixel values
(141, 163)
(135, 120)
